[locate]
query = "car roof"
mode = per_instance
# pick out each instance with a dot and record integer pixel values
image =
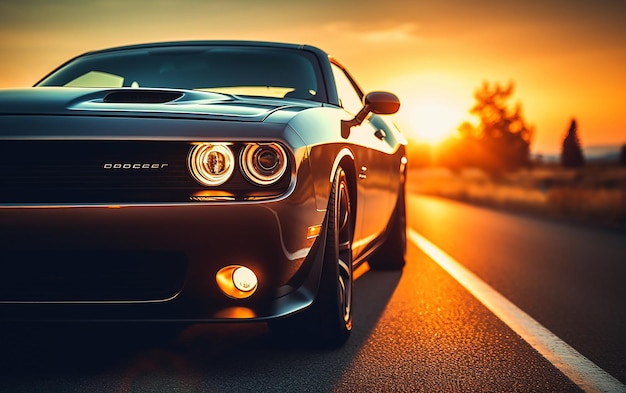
(169, 44)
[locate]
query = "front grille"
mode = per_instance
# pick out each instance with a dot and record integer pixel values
(56, 275)
(74, 172)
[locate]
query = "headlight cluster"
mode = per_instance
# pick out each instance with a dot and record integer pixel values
(263, 164)
(212, 164)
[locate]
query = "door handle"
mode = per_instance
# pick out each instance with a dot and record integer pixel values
(380, 134)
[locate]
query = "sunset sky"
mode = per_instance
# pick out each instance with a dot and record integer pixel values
(566, 58)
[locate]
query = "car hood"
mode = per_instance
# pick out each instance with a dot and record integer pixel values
(143, 102)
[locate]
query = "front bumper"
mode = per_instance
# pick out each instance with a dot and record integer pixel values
(157, 262)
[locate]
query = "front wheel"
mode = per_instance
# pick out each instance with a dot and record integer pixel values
(329, 320)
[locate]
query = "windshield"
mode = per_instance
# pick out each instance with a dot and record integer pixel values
(266, 72)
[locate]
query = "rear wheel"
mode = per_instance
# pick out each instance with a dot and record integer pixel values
(329, 320)
(391, 254)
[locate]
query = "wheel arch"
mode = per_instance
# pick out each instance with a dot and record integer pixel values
(345, 159)
(348, 166)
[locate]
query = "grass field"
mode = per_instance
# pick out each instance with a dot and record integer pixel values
(595, 194)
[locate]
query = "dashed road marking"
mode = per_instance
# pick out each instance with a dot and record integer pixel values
(582, 371)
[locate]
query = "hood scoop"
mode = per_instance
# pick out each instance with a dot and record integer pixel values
(142, 97)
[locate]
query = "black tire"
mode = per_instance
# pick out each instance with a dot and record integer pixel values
(391, 254)
(328, 322)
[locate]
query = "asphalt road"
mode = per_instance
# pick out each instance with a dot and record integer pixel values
(415, 331)
(570, 278)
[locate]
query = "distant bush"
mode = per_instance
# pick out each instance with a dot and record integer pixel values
(600, 205)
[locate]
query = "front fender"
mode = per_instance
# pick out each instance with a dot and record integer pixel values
(320, 129)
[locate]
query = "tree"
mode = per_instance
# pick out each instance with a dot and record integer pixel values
(572, 154)
(501, 140)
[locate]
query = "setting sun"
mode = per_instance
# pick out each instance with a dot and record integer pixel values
(431, 117)
(434, 104)
(433, 120)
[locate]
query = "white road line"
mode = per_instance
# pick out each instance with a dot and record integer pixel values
(583, 372)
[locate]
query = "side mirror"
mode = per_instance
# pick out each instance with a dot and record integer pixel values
(378, 102)
(382, 103)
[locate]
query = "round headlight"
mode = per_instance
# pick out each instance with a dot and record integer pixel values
(263, 163)
(211, 164)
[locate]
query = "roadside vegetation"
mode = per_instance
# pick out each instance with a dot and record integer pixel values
(490, 164)
(592, 194)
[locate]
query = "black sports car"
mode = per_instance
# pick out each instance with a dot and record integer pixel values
(198, 181)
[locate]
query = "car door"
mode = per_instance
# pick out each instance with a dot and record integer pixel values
(377, 175)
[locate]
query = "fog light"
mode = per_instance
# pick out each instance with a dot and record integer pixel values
(244, 279)
(236, 281)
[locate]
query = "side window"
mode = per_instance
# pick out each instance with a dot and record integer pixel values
(349, 97)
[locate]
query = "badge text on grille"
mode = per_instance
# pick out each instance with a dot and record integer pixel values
(134, 165)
